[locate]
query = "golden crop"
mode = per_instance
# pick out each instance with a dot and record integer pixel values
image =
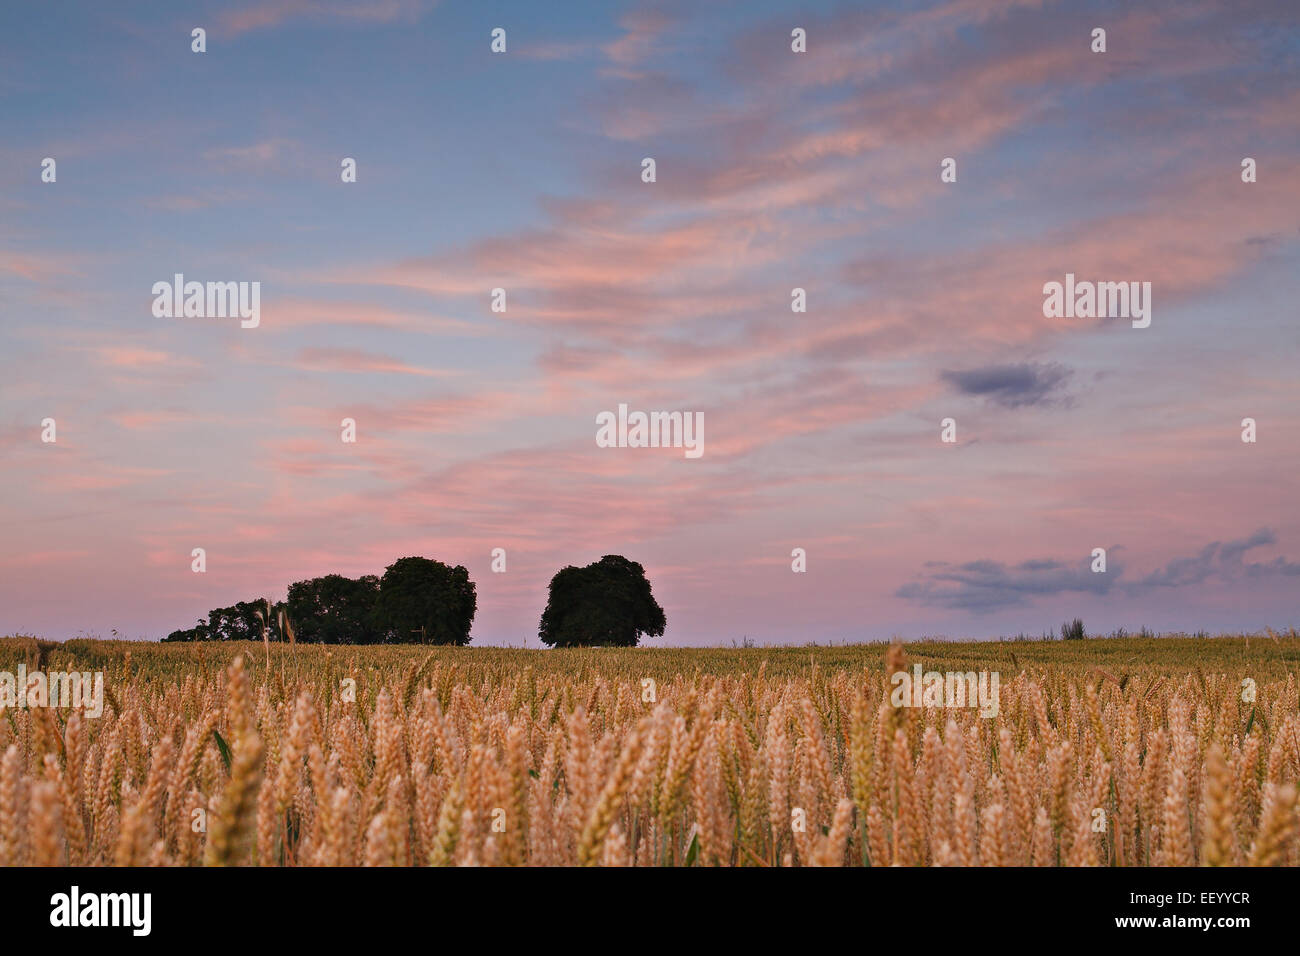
(1129, 752)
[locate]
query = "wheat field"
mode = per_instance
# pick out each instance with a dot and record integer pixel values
(1124, 752)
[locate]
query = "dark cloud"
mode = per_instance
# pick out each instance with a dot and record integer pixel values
(986, 585)
(991, 585)
(1221, 560)
(1012, 386)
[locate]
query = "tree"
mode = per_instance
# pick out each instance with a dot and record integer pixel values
(199, 632)
(417, 599)
(242, 621)
(334, 609)
(421, 600)
(607, 603)
(237, 623)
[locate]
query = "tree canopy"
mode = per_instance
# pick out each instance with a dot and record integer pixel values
(607, 603)
(425, 601)
(242, 621)
(334, 609)
(417, 599)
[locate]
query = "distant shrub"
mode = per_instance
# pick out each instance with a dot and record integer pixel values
(1073, 630)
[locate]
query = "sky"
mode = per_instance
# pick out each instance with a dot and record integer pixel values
(774, 170)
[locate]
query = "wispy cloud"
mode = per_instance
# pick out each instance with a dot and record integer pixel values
(359, 360)
(134, 357)
(268, 14)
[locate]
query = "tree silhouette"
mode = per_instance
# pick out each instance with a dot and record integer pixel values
(242, 621)
(416, 600)
(607, 603)
(425, 601)
(334, 609)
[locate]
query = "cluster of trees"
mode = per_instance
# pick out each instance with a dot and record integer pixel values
(418, 600)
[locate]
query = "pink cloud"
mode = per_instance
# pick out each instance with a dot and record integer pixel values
(125, 356)
(266, 14)
(293, 313)
(359, 360)
(643, 31)
(33, 267)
